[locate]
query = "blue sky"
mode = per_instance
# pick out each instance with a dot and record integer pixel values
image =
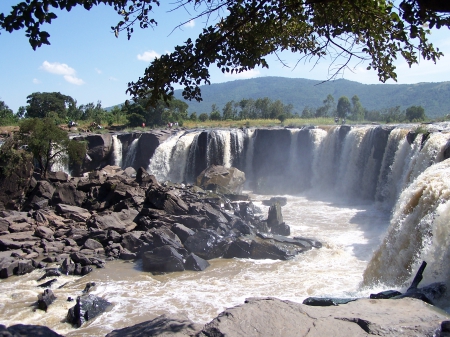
(86, 61)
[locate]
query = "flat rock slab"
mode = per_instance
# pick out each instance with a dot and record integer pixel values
(274, 317)
(162, 326)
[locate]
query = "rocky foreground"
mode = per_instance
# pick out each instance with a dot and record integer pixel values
(71, 226)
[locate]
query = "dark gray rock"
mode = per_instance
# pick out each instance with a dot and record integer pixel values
(47, 284)
(107, 222)
(162, 259)
(240, 248)
(131, 242)
(275, 217)
(326, 301)
(164, 236)
(207, 244)
(87, 307)
(22, 330)
(126, 255)
(24, 267)
(193, 262)
(68, 194)
(163, 326)
(50, 272)
(8, 266)
(44, 233)
(93, 244)
(182, 232)
(281, 229)
(73, 212)
(385, 294)
(80, 258)
(45, 299)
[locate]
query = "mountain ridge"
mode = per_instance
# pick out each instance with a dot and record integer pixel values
(434, 97)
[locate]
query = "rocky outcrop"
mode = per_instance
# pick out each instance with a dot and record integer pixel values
(112, 215)
(274, 317)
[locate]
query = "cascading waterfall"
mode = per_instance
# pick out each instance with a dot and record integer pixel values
(117, 151)
(237, 147)
(248, 157)
(131, 153)
(419, 231)
(219, 148)
(179, 159)
(324, 170)
(161, 161)
(392, 167)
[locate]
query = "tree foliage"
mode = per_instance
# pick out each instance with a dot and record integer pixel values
(415, 113)
(42, 104)
(247, 31)
(343, 107)
(49, 144)
(7, 116)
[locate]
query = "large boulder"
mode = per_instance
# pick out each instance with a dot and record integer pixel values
(274, 317)
(222, 179)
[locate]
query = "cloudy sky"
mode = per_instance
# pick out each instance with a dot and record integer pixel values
(86, 61)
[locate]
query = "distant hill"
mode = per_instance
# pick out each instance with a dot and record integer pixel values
(434, 97)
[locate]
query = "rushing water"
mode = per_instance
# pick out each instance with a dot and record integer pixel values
(378, 203)
(349, 232)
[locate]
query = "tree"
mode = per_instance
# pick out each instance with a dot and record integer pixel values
(307, 113)
(229, 112)
(49, 144)
(41, 104)
(415, 113)
(203, 117)
(246, 31)
(193, 117)
(343, 107)
(357, 109)
(7, 116)
(215, 113)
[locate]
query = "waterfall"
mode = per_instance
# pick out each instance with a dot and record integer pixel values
(180, 155)
(131, 154)
(161, 161)
(388, 186)
(324, 167)
(419, 230)
(248, 157)
(117, 151)
(293, 152)
(237, 138)
(219, 148)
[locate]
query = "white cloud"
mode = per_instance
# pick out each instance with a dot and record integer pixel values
(98, 71)
(113, 78)
(57, 68)
(245, 74)
(148, 56)
(73, 80)
(36, 81)
(190, 24)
